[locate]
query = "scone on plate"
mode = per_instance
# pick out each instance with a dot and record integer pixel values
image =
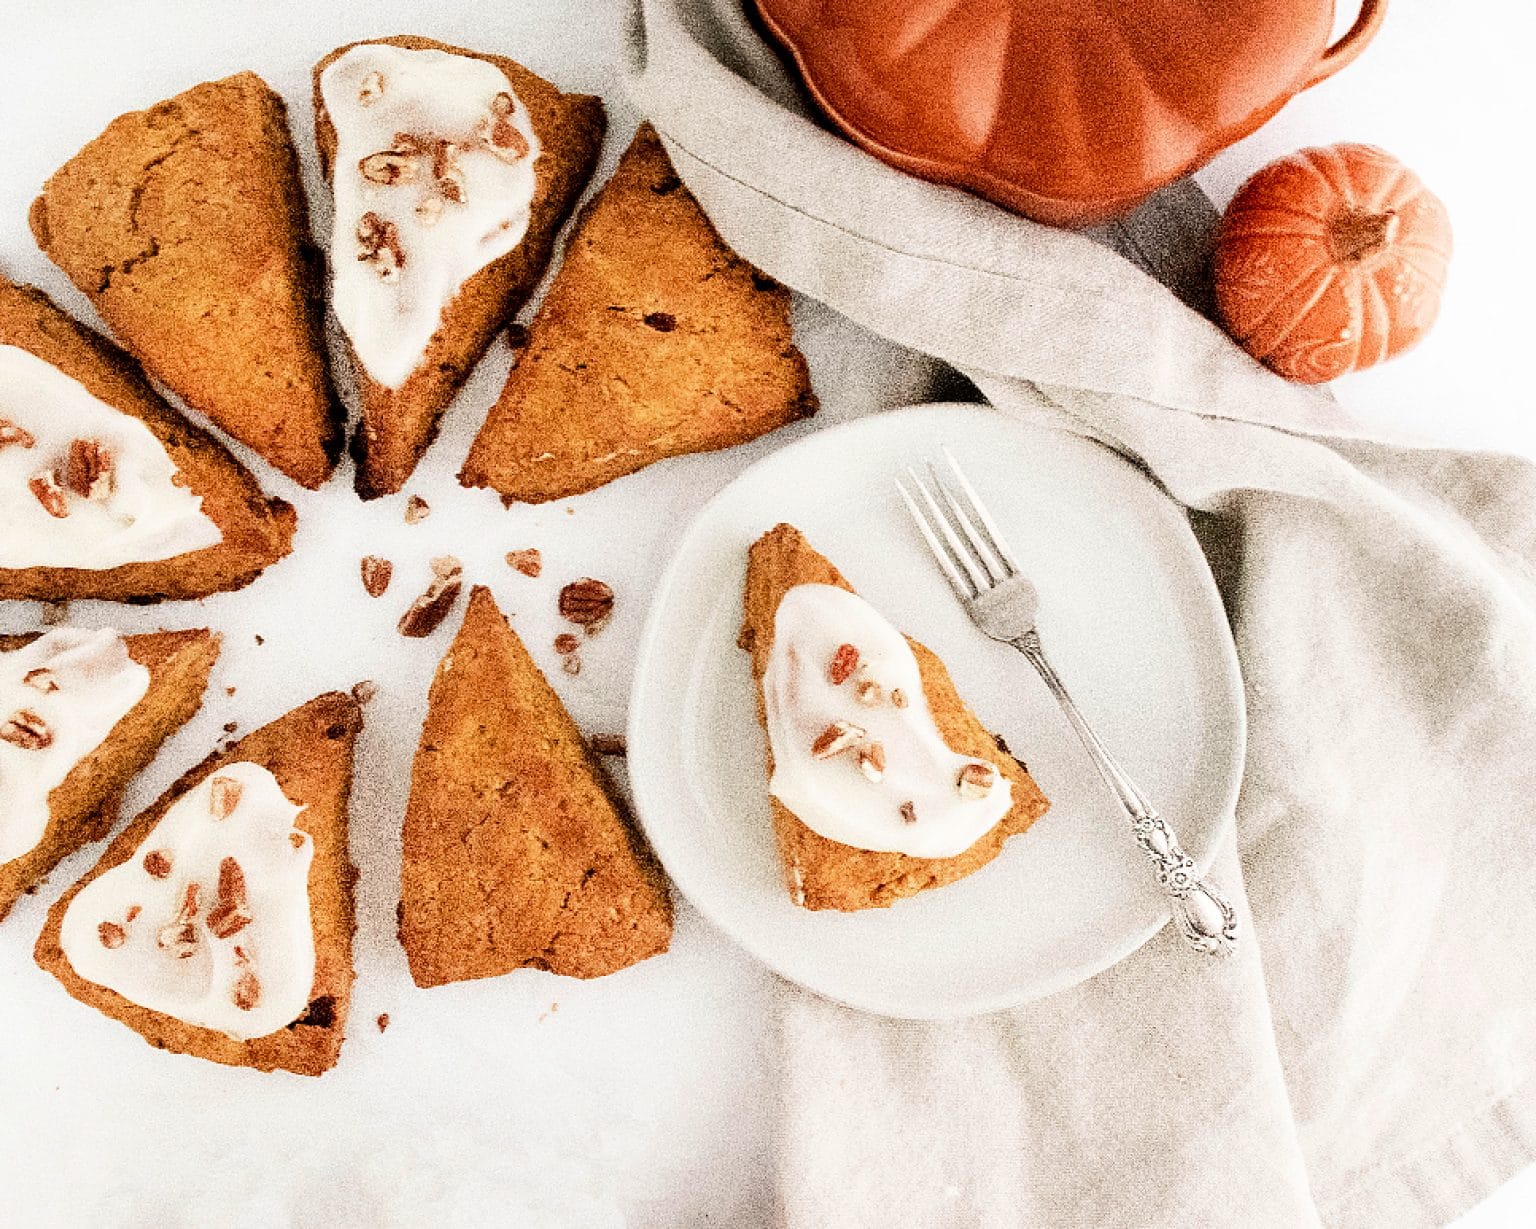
(81, 713)
(219, 923)
(655, 339)
(186, 226)
(515, 854)
(882, 783)
(105, 491)
(451, 172)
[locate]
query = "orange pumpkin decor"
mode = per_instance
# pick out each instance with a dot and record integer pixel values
(1331, 260)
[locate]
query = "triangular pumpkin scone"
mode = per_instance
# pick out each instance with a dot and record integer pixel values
(105, 491)
(219, 923)
(186, 226)
(515, 855)
(81, 713)
(655, 339)
(451, 171)
(882, 782)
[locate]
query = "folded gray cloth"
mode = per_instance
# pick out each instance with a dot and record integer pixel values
(1365, 1059)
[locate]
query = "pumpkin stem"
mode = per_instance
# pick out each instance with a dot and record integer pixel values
(1358, 234)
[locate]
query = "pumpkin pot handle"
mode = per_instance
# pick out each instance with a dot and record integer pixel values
(1352, 44)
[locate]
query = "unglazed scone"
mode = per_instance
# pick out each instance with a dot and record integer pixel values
(451, 170)
(906, 789)
(105, 491)
(515, 854)
(219, 923)
(186, 226)
(81, 713)
(655, 339)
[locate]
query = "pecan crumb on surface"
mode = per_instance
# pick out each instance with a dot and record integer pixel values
(844, 662)
(224, 796)
(588, 603)
(908, 813)
(898, 697)
(55, 614)
(416, 510)
(424, 615)
(377, 573)
(566, 643)
(112, 935)
(608, 744)
(378, 245)
(231, 726)
(868, 693)
(571, 663)
(25, 729)
(383, 1020)
(364, 691)
(370, 89)
(528, 561)
(45, 486)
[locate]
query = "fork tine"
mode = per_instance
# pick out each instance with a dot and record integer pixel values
(994, 535)
(959, 549)
(981, 550)
(958, 580)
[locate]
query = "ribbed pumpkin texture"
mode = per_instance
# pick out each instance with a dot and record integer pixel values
(1331, 260)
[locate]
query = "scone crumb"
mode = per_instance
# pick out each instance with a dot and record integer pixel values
(364, 691)
(377, 573)
(383, 1020)
(416, 510)
(527, 561)
(55, 614)
(571, 663)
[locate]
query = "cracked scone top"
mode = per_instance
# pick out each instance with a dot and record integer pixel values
(210, 922)
(60, 696)
(83, 485)
(433, 180)
(185, 224)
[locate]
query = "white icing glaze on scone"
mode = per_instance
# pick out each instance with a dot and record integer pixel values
(857, 755)
(209, 920)
(83, 485)
(433, 179)
(60, 696)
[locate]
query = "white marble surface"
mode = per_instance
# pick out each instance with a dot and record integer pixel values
(646, 1098)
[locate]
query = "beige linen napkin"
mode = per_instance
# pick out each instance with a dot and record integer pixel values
(1365, 1059)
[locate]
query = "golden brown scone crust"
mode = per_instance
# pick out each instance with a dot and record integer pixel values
(398, 425)
(84, 806)
(838, 876)
(515, 855)
(309, 751)
(257, 530)
(655, 339)
(186, 225)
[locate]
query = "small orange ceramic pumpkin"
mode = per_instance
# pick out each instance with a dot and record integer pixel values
(1331, 260)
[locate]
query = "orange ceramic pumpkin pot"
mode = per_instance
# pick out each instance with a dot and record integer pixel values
(1069, 111)
(1331, 260)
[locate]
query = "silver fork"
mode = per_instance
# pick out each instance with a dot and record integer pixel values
(1002, 602)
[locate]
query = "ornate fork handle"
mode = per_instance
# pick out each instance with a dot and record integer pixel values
(1204, 916)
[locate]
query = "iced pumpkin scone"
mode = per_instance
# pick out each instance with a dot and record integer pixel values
(219, 923)
(882, 782)
(451, 172)
(655, 339)
(186, 226)
(105, 491)
(515, 854)
(81, 713)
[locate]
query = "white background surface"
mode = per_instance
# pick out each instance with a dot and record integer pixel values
(647, 1096)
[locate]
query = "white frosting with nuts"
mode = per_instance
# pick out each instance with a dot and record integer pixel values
(209, 920)
(60, 696)
(124, 507)
(857, 755)
(433, 180)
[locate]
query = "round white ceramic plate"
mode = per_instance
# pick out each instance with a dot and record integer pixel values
(1128, 614)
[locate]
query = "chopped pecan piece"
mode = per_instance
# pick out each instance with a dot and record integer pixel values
(45, 486)
(446, 171)
(89, 471)
(13, 436)
(844, 662)
(364, 691)
(416, 510)
(229, 916)
(247, 989)
(387, 167)
(587, 603)
(42, 679)
(571, 663)
(180, 936)
(25, 729)
(157, 864)
(975, 780)
(565, 644)
(908, 813)
(112, 935)
(424, 615)
(872, 761)
(504, 139)
(376, 574)
(529, 562)
(370, 89)
(429, 210)
(379, 245)
(224, 796)
(868, 693)
(838, 737)
(898, 697)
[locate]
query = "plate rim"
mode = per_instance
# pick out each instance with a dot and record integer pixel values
(1230, 682)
